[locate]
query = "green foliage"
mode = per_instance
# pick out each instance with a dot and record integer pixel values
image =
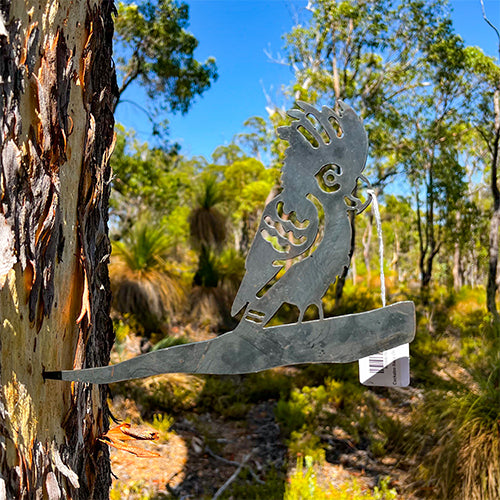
(232, 396)
(303, 485)
(335, 403)
(133, 490)
(162, 423)
(171, 394)
(247, 184)
(272, 488)
(159, 51)
(169, 342)
(144, 247)
(355, 299)
(258, 138)
(400, 237)
(151, 181)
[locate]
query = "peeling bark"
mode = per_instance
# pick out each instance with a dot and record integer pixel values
(57, 92)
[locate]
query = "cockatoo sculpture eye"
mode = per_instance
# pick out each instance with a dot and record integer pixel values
(326, 157)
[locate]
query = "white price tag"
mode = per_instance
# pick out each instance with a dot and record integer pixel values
(388, 368)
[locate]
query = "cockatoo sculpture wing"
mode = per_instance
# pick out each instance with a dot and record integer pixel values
(281, 236)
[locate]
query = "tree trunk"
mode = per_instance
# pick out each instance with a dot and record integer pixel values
(428, 244)
(492, 285)
(395, 257)
(57, 90)
(457, 269)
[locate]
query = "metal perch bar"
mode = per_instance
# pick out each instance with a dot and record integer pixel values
(249, 348)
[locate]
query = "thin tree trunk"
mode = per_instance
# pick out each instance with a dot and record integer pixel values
(395, 257)
(457, 268)
(429, 246)
(57, 90)
(492, 285)
(422, 252)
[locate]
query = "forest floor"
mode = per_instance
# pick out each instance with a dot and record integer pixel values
(222, 450)
(189, 467)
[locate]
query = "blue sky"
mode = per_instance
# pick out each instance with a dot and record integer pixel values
(238, 33)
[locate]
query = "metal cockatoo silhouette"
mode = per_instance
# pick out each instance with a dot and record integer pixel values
(322, 165)
(302, 245)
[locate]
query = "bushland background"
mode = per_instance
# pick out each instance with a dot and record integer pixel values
(181, 225)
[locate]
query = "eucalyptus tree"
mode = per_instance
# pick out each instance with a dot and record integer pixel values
(437, 123)
(156, 49)
(56, 96)
(488, 125)
(257, 137)
(375, 55)
(367, 53)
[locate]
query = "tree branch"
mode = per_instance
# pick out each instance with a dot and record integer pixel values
(495, 29)
(223, 488)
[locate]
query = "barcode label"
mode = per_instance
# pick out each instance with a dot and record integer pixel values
(376, 363)
(388, 369)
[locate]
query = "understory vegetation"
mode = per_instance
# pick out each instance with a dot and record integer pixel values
(437, 439)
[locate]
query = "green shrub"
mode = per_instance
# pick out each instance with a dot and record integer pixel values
(162, 423)
(171, 393)
(334, 404)
(231, 396)
(303, 485)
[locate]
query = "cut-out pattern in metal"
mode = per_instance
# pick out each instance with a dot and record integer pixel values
(301, 247)
(323, 163)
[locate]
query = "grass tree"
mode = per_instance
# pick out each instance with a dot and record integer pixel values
(208, 231)
(144, 283)
(207, 222)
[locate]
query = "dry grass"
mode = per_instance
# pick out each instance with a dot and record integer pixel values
(455, 437)
(479, 460)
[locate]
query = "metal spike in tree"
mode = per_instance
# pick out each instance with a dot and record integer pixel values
(57, 92)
